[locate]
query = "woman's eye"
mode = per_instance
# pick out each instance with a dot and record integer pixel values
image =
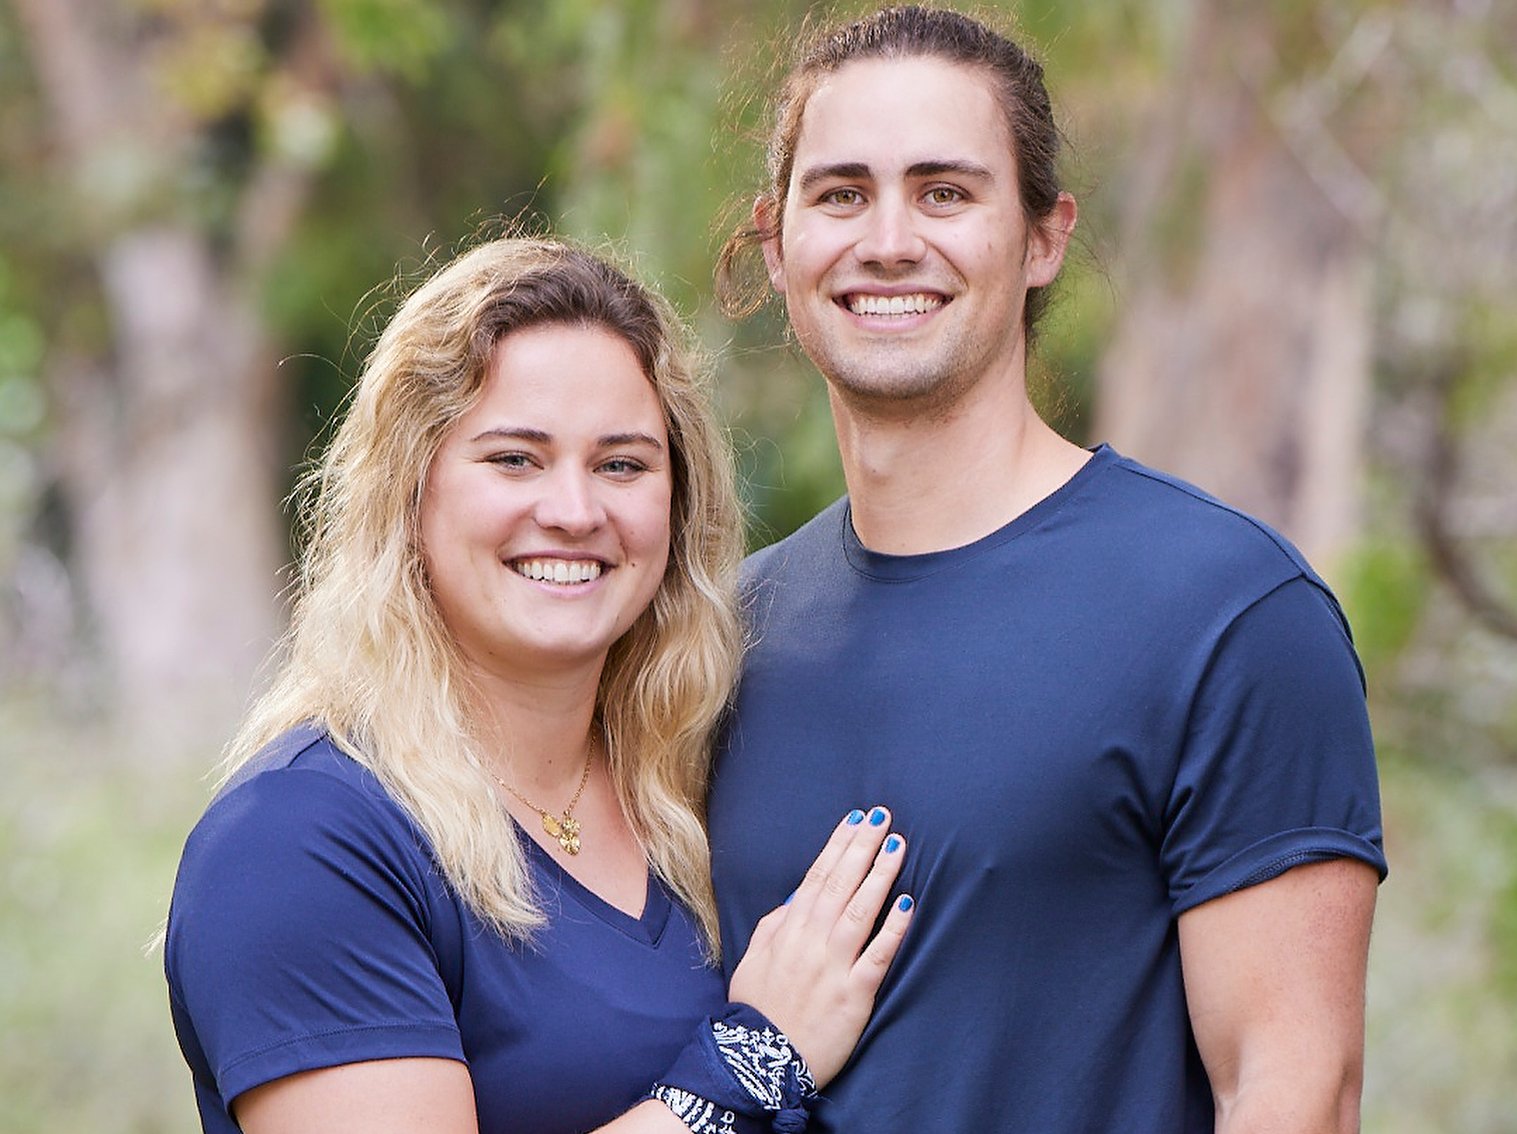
(623, 466)
(510, 461)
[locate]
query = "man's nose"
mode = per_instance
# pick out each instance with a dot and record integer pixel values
(892, 233)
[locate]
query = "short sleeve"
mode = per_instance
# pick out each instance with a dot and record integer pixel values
(298, 936)
(1278, 766)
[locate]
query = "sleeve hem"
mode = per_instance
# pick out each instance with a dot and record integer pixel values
(334, 1048)
(1269, 858)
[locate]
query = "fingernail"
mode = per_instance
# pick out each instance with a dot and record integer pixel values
(904, 905)
(892, 844)
(786, 902)
(855, 817)
(877, 816)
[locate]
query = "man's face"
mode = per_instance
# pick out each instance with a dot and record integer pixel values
(903, 254)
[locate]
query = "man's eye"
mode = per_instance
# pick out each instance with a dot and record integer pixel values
(944, 195)
(846, 197)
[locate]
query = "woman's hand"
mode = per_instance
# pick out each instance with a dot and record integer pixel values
(811, 966)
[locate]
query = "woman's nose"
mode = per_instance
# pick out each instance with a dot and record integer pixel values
(570, 502)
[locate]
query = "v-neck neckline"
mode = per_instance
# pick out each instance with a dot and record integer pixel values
(647, 928)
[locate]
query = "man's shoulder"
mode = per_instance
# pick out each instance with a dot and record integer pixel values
(1157, 514)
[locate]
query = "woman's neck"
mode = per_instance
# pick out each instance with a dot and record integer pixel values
(537, 735)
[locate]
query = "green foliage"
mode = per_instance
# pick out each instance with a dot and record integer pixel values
(21, 352)
(417, 169)
(790, 471)
(1504, 917)
(87, 852)
(1063, 369)
(23, 413)
(1488, 368)
(214, 68)
(1384, 590)
(1442, 1048)
(397, 37)
(637, 163)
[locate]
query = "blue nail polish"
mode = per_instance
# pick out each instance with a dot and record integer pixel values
(786, 902)
(855, 817)
(904, 905)
(892, 844)
(877, 816)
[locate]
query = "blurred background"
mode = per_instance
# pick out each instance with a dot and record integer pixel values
(1296, 285)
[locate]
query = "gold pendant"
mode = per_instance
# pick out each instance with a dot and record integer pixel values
(565, 830)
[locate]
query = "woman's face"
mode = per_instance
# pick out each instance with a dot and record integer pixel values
(545, 517)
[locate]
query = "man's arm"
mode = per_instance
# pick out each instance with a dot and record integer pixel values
(1274, 979)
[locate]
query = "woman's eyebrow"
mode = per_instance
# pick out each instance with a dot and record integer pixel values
(633, 438)
(542, 437)
(513, 433)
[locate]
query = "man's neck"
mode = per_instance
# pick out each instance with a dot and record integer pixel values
(944, 479)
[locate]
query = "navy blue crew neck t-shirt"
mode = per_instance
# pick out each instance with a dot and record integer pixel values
(1128, 701)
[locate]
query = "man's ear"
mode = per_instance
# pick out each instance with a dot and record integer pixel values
(766, 220)
(1048, 240)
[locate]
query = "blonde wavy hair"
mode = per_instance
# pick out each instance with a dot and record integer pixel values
(367, 655)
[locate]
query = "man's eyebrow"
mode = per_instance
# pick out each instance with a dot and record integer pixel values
(837, 171)
(859, 171)
(937, 167)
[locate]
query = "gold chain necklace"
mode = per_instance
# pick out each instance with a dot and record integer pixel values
(564, 828)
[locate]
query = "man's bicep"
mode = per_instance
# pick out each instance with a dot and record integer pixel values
(1274, 982)
(1277, 767)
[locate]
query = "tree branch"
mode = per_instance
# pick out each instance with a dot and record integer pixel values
(1450, 557)
(275, 193)
(79, 76)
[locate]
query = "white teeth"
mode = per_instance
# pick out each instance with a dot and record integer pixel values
(918, 304)
(558, 570)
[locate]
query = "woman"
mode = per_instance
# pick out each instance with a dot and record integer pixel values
(457, 879)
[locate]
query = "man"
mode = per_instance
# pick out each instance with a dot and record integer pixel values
(1121, 725)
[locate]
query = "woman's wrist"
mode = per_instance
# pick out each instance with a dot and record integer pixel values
(739, 1074)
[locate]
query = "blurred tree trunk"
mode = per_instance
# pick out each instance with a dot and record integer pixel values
(171, 470)
(169, 427)
(1242, 357)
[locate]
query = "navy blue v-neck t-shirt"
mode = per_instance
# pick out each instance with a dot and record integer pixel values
(311, 927)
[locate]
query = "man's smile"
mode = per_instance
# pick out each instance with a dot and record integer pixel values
(916, 303)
